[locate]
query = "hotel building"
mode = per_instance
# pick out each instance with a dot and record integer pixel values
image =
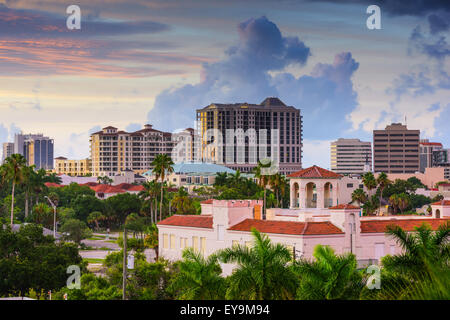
(351, 156)
(427, 149)
(396, 149)
(8, 149)
(114, 151)
(271, 125)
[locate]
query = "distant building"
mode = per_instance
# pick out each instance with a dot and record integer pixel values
(271, 125)
(73, 167)
(186, 143)
(441, 158)
(36, 148)
(113, 151)
(8, 150)
(351, 156)
(427, 149)
(396, 149)
(193, 175)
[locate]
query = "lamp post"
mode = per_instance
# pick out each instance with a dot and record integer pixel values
(54, 216)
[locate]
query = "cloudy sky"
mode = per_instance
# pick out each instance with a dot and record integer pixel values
(156, 61)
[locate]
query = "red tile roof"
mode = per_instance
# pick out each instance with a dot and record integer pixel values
(315, 172)
(441, 203)
(344, 206)
(379, 226)
(52, 184)
(193, 221)
(209, 201)
(431, 144)
(287, 227)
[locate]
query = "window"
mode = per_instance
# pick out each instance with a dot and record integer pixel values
(172, 241)
(220, 232)
(182, 243)
(349, 185)
(165, 241)
(195, 242)
(202, 245)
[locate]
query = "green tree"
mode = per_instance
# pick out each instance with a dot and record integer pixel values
(263, 271)
(263, 175)
(162, 165)
(121, 205)
(13, 172)
(151, 239)
(182, 203)
(369, 181)
(359, 196)
(382, 182)
(198, 278)
(75, 230)
(329, 277)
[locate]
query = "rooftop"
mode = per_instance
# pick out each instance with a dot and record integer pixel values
(197, 168)
(315, 172)
(193, 221)
(287, 227)
(379, 226)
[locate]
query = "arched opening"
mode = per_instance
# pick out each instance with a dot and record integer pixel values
(311, 195)
(295, 190)
(438, 213)
(328, 195)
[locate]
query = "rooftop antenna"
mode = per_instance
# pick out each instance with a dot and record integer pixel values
(406, 122)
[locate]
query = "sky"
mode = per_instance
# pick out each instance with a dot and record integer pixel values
(156, 61)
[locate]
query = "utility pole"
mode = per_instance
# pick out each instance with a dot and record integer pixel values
(124, 281)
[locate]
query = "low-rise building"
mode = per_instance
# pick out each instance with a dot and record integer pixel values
(77, 168)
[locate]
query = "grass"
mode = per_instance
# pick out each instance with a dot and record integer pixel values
(93, 260)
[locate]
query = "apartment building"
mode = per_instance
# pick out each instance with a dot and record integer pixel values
(396, 149)
(427, 149)
(8, 149)
(114, 151)
(36, 148)
(351, 156)
(75, 168)
(251, 132)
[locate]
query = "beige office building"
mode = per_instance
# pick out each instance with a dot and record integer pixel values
(351, 156)
(396, 149)
(8, 150)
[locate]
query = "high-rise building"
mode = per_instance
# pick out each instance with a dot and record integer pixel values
(114, 151)
(396, 149)
(8, 149)
(73, 167)
(426, 153)
(238, 135)
(441, 158)
(351, 156)
(36, 148)
(186, 143)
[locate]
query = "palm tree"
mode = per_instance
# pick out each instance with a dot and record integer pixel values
(359, 196)
(182, 203)
(221, 179)
(382, 182)
(330, 276)
(277, 183)
(162, 164)
(150, 192)
(236, 178)
(369, 181)
(199, 278)
(419, 247)
(394, 202)
(28, 184)
(14, 172)
(263, 271)
(263, 179)
(403, 201)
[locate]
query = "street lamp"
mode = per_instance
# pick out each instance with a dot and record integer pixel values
(54, 216)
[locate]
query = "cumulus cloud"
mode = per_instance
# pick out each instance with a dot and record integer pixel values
(246, 75)
(133, 127)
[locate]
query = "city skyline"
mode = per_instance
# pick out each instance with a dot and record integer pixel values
(153, 61)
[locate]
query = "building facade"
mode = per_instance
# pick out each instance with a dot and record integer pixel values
(8, 150)
(36, 148)
(238, 135)
(113, 151)
(75, 168)
(351, 156)
(396, 149)
(427, 151)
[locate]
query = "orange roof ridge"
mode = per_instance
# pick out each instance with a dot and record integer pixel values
(315, 172)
